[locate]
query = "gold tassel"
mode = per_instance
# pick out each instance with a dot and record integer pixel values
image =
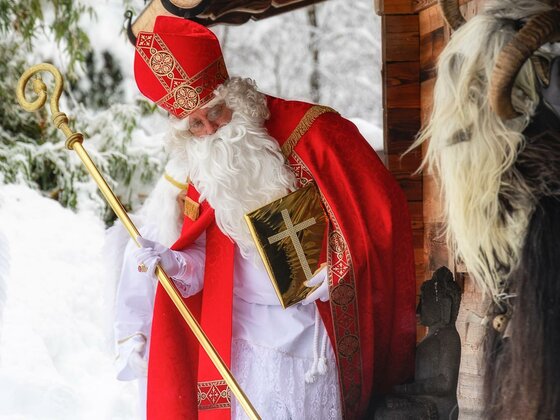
(192, 208)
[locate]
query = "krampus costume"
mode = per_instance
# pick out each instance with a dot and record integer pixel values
(495, 143)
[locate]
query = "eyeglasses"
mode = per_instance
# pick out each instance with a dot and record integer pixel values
(198, 120)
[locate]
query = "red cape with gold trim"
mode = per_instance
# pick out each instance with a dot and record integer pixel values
(370, 317)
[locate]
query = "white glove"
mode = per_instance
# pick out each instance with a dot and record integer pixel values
(132, 351)
(322, 292)
(153, 253)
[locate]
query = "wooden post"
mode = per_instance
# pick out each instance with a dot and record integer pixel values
(401, 110)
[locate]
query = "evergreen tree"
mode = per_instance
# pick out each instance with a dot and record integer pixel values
(102, 84)
(328, 53)
(32, 151)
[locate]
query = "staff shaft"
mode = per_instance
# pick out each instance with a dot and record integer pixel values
(74, 142)
(167, 284)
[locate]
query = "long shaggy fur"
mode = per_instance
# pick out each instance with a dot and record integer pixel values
(522, 377)
(501, 185)
(486, 200)
(161, 208)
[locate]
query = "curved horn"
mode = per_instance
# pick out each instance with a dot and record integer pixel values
(538, 30)
(451, 13)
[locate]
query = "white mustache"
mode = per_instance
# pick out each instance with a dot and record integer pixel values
(238, 169)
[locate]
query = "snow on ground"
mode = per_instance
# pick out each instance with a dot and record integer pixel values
(4, 273)
(55, 360)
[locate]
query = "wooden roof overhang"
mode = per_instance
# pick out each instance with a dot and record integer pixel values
(212, 12)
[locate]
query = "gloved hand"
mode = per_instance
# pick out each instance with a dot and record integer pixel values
(322, 292)
(133, 351)
(153, 253)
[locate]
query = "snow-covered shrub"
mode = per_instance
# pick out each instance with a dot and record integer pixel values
(32, 150)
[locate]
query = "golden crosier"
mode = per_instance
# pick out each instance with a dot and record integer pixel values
(74, 142)
(60, 119)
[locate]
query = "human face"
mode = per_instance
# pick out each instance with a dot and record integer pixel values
(206, 121)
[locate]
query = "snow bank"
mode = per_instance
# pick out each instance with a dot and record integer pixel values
(55, 362)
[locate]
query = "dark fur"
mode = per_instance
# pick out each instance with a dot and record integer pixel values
(522, 375)
(523, 372)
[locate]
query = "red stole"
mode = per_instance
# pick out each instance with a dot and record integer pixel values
(370, 317)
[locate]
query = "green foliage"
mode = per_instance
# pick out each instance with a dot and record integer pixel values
(128, 165)
(32, 150)
(101, 85)
(28, 18)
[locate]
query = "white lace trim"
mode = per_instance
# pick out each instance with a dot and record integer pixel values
(275, 384)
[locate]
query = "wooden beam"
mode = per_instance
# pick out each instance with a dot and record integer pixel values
(393, 7)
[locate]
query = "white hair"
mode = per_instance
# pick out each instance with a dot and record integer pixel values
(486, 201)
(161, 208)
(517, 9)
(239, 168)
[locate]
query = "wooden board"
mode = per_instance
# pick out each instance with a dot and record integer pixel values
(401, 113)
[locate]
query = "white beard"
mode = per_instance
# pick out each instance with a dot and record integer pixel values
(238, 169)
(161, 208)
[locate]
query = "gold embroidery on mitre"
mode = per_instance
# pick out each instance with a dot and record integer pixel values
(186, 98)
(182, 96)
(302, 127)
(162, 63)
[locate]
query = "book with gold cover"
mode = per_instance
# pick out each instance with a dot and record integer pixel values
(289, 235)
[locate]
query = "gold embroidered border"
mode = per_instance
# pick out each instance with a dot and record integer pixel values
(181, 94)
(302, 127)
(149, 45)
(213, 394)
(344, 304)
(191, 209)
(215, 68)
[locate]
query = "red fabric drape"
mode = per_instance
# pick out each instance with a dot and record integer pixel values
(371, 315)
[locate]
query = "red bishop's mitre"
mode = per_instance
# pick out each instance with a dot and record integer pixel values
(178, 65)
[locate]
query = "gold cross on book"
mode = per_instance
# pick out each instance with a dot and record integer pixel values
(289, 235)
(291, 232)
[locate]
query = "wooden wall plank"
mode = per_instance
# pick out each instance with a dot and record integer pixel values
(402, 46)
(401, 126)
(403, 169)
(426, 97)
(394, 7)
(403, 85)
(397, 24)
(401, 105)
